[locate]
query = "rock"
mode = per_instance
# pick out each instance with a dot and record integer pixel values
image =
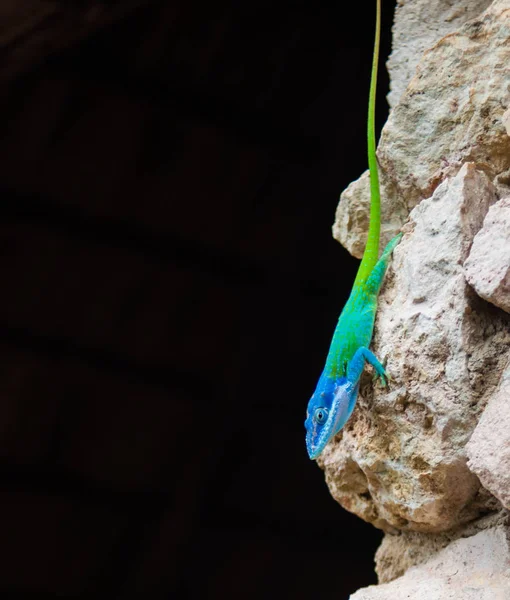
(474, 568)
(397, 553)
(418, 25)
(506, 121)
(488, 450)
(351, 221)
(487, 267)
(400, 463)
(451, 113)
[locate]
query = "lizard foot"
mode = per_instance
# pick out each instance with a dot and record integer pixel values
(383, 378)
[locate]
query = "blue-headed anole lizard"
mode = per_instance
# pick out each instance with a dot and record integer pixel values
(334, 398)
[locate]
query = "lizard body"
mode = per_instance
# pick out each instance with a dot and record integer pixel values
(335, 396)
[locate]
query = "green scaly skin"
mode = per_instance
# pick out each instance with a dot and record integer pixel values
(335, 396)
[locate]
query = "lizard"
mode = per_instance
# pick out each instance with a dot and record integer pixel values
(336, 392)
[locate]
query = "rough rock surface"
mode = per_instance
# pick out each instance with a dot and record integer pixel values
(506, 120)
(487, 267)
(474, 568)
(418, 25)
(451, 113)
(488, 449)
(400, 462)
(397, 553)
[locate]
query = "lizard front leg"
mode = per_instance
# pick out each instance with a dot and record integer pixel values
(357, 363)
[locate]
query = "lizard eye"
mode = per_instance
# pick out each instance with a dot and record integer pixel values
(320, 415)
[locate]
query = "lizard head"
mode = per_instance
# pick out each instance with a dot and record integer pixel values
(328, 410)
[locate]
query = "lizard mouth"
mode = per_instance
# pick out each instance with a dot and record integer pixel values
(313, 451)
(316, 441)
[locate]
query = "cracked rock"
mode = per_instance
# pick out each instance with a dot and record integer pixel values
(400, 461)
(487, 267)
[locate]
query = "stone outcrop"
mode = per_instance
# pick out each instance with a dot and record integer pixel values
(419, 24)
(488, 450)
(473, 568)
(452, 112)
(427, 459)
(400, 462)
(487, 267)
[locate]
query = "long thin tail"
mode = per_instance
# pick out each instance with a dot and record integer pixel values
(371, 253)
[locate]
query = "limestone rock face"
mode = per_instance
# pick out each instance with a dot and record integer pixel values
(488, 449)
(427, 459)
(418, 25)
(506, 120)
(475, 568)
(400, 463)
(398, 553)
(487, 267)
(451, 113)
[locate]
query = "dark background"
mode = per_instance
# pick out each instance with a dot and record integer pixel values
(169, 173)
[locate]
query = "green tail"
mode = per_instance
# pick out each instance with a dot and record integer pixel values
(371, 253)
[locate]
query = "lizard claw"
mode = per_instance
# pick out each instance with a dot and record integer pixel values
(384, 378)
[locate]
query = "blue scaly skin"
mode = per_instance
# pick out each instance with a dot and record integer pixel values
(335, 396)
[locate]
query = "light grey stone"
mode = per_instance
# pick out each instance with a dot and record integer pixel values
(506, 121)
(418, 25)
(487, 267)
(400, 463)
(474, 568)
(451, 113)
(488, 450)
